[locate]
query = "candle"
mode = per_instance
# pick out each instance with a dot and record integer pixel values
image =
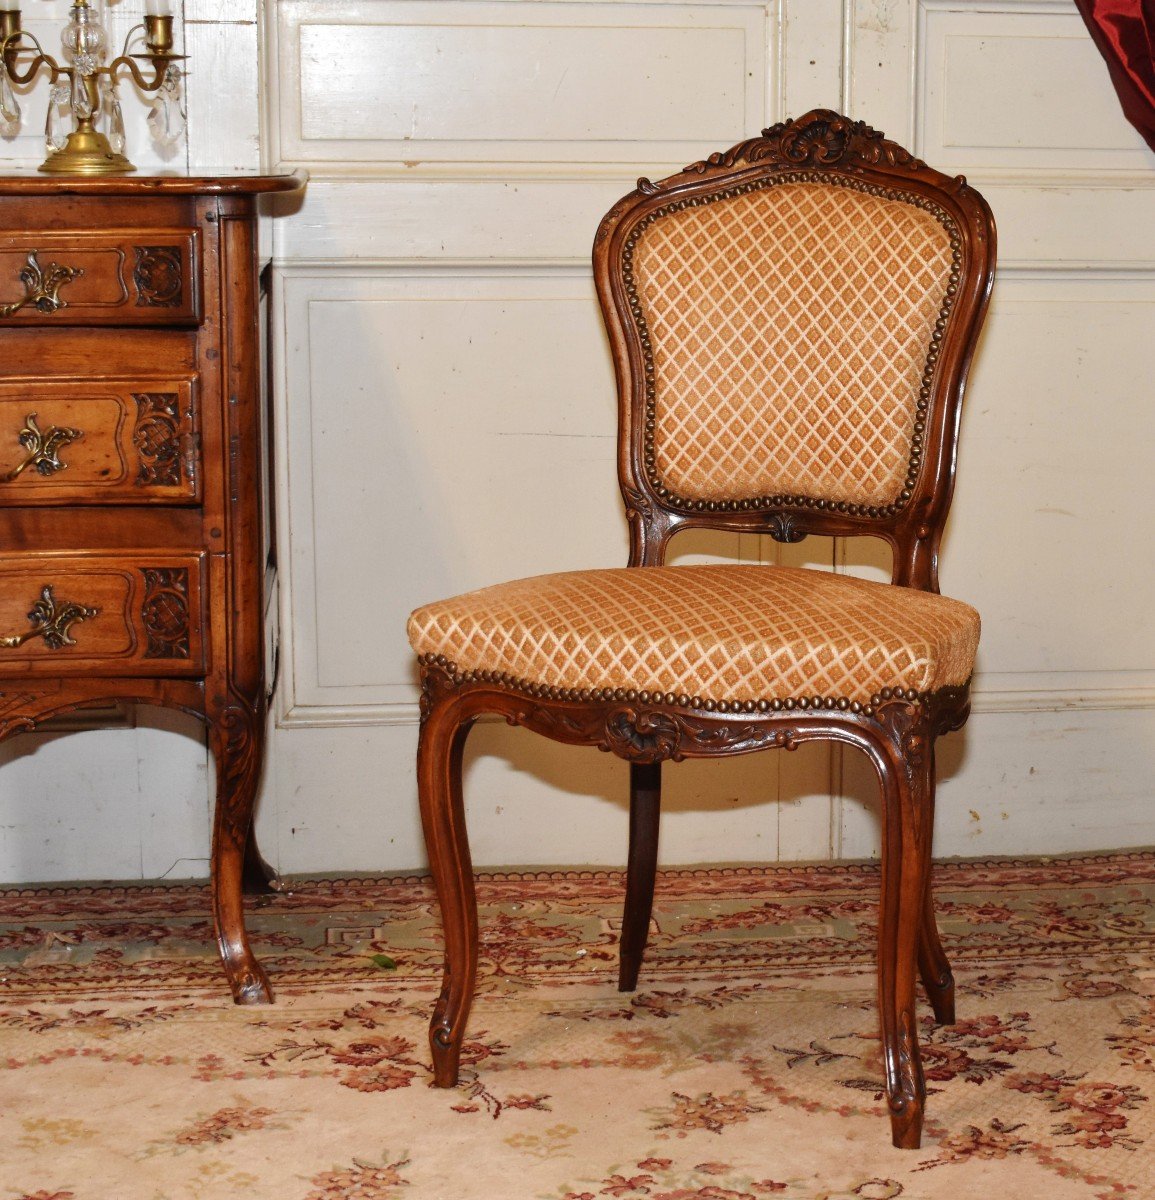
(9, 5)
(154, 8)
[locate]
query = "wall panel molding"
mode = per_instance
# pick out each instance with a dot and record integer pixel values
(1007, 124)
(381, 427)
(375, 86)
(1008, 91)
(1039, 270)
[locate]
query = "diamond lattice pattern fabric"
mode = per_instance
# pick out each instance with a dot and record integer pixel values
(723, 633)
(790, 329)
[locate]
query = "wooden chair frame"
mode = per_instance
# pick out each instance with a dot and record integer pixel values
(896, 729)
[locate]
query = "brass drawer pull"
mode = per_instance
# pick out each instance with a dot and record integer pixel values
(51, 621)
(43, 448)
(42, 287)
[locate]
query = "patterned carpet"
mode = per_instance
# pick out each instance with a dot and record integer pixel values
(746, 1066)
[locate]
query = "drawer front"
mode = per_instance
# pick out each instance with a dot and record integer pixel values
(100, 277)
(102, 614)
(114, 441)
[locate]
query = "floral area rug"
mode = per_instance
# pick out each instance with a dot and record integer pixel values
(745, 1067)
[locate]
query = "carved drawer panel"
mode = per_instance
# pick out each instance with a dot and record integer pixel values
(102, 614)
(109, 441)
(100, 277)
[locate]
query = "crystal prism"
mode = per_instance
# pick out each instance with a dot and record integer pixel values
(9, 109)
(81, 105)
(56, 124)
(166, 121)
(115, 119)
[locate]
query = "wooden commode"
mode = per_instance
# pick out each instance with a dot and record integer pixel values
(133, 547)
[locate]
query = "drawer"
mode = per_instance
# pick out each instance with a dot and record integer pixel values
(102, 614)
(100, 277)
(107, 441)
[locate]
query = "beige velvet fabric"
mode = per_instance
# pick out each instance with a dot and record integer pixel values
(790, 328)
(723, 633)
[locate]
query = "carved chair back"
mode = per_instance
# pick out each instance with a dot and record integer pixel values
(792, 322)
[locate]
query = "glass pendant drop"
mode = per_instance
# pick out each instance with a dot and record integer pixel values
(9, 109)
(115, 118)
(166, 121)
(81, 104)
(56, 124)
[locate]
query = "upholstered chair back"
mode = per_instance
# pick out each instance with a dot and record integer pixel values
(790, 326)
(782, 317)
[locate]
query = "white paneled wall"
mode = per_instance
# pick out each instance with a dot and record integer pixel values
(1052, 487)
(445, 413)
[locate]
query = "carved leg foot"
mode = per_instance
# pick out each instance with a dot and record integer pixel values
(235, 735)
(439, 753)
(907, 1099)
(645, 812)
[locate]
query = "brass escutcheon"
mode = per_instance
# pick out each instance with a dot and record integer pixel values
(50, 621)
(42, 287)
(43, 448)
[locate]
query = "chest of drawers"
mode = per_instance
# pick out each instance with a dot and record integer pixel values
(133, 552)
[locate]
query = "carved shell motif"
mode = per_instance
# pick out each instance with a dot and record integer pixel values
(820, 138)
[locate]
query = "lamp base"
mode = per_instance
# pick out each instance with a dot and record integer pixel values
(86, 153)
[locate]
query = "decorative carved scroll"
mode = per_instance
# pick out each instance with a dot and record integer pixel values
(637, 503)
(165, 612)
(649, 735)
(640, 732)
(820, 138)
(158, 276)
(907, 1084)
(238, 760)
(783, 527)
(950, 710)
(157, 439)
(19, 712)
(646, 735)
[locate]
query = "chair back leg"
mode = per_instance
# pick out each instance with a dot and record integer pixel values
(933, 964)
(642, 865)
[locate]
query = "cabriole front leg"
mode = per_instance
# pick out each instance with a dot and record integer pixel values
(439, 753)
(236, 736)
(905, 769)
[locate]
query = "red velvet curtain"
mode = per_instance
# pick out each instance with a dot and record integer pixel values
(1124, 31)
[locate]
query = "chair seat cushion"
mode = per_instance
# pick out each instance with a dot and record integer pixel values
(720, 633)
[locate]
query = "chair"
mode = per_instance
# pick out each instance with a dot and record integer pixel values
(791, 324)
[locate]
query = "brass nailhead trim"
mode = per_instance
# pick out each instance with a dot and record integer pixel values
(544, 691)
(789, 501)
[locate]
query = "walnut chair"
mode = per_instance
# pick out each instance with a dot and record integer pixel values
(791, 324)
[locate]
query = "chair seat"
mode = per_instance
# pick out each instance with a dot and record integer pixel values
(709, 633)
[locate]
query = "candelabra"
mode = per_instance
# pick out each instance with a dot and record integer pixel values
(84, 86)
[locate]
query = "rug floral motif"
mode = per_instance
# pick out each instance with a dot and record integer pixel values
(746, 1066)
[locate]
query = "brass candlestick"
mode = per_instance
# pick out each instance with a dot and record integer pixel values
(78, 83)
